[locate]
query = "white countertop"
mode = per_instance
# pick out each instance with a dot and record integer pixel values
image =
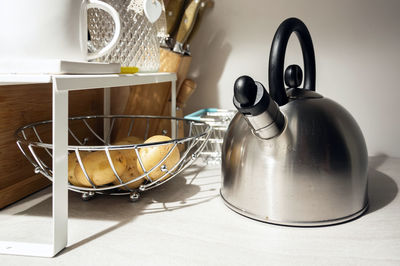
(185, 222)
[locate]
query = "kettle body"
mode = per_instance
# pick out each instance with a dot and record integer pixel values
(313, 173)
(311, 168)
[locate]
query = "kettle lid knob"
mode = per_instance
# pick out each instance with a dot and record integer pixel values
(293, 76)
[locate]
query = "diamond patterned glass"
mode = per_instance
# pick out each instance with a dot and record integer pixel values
(140, 40)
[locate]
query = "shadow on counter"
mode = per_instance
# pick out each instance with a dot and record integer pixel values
(382, 189)
(185, 190)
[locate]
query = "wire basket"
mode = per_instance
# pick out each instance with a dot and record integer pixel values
(219, 120)
(94, 134)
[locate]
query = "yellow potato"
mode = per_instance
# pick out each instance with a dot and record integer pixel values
(130, 173)
(151, 156)
(129, 140)
(72, 163)
(98, 168)
(134, 140)
(129, 154)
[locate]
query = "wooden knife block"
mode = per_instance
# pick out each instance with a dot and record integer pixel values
(175, 63)
(151, 99)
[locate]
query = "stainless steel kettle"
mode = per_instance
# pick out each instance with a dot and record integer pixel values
(292, 156)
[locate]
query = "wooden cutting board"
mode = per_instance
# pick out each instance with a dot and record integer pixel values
(186, 90)
(21, 105)
(151, 99)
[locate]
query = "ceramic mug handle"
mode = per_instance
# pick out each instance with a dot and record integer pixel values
(117, 32)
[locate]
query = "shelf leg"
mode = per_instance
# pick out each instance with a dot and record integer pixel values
(173, 108)
(60, 186)
(106, 111)
(60, 167)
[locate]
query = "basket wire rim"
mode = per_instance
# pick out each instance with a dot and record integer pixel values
(22, 139)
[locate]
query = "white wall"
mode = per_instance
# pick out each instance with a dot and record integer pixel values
(357, 46)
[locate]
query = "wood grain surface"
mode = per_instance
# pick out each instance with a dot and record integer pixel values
(152, 99)
(24, 104)
(186, 90)
(138, 100)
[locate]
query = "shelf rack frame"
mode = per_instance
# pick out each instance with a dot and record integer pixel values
(61, 85)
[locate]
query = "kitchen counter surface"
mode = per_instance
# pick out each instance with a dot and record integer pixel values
(185, 222)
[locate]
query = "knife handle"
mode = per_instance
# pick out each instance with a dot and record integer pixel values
(173, 12)
(187, 88)
(187, 22)
(205, 4)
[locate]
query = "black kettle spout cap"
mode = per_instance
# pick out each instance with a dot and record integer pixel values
(250, 97)
(260, 111)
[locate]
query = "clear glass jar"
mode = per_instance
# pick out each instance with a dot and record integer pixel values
(139, 45)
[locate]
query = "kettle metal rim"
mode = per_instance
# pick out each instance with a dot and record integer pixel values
(296, 223)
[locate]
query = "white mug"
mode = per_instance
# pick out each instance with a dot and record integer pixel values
(50, 29)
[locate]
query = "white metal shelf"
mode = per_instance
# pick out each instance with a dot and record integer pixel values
(61, 85)
(94, 80)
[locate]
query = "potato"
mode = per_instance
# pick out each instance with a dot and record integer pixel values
(98, 168)
(151, 156)
(130, 154)
(131, 171)
(129, 140)
(72, 163)
(133, 140)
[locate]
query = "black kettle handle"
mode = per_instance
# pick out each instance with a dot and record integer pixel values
(277, 58)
